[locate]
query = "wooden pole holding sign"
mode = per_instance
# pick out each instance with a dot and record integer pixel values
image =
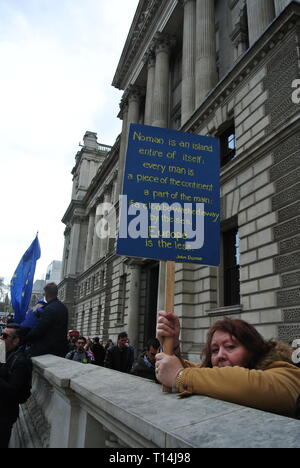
(168, 343)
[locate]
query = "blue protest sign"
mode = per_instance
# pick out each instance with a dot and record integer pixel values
(170, 207)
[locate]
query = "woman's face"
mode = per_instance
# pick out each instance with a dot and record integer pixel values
(226, 351)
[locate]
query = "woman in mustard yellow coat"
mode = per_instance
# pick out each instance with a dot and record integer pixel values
(238, 366)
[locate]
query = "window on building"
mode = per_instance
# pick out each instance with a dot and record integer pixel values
(231, 262)
(227, 145)
(97, 280)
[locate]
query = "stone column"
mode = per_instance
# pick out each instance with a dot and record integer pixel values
(206, 64)
(134, 304)
(260, 14)
(65, 254)
(150, 88)
(89, 242)
(104, 241)
(134, 99)
(115, 187)
(280, 5)
(162, 78)
(188, 60)
(123, 146)
(131, 114)
(74, 246)
(96, 241)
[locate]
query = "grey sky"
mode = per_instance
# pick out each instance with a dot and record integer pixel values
(58, 60)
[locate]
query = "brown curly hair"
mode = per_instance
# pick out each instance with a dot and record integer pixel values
(245, 334)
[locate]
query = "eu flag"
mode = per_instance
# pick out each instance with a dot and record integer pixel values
(22, 281)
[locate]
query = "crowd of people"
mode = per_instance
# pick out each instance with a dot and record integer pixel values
(238, 365)
(120, 357)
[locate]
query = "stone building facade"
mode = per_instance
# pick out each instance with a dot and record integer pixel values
(222, 68)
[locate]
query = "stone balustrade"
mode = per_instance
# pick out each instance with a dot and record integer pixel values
(83, 406)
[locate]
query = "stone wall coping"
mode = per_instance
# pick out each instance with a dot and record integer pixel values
(151, 418)
(45, 361)
(59, 371)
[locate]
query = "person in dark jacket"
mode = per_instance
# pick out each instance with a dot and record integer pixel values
(49, 335)
(145, 364)
(15, 381)
(98, 352)
(119, 357)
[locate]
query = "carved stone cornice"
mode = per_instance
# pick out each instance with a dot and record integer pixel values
(123, 107)
(163, 42)
(73, 208)
(79, 219)
(135, 93)
(145, 13)
(67, 231)
(132, 93)
(149, 57)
